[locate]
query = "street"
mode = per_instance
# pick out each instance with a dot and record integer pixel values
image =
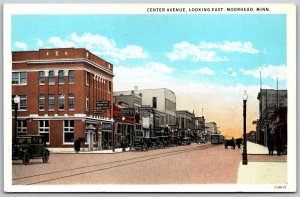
(193, 164)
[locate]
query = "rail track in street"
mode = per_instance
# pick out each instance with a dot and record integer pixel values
(42, 178)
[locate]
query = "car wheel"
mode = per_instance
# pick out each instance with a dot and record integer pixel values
(45, 156)
(26, 158)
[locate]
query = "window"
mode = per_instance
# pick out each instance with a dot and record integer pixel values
(71, 76)
(68, 131)
(51, 102)
(41, 102)
(87, 77)
(61, 79)
(154, 102)
(41, 77)
(19, 78)
(22, 127)
(61, 101)
(44, 129)
(109, 86)
(71, 101)
(87, 103)
(23, 102)
(51, 77)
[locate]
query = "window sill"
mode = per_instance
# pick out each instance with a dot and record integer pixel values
(19, 84)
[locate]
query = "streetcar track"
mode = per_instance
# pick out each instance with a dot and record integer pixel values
(78, 168)
(123, 163)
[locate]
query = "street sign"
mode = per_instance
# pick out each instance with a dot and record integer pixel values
(145, 114)
(99, 111)
(128, 111)
(145, 108)
(104, 104)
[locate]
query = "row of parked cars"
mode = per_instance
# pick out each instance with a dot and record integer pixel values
(146, 143)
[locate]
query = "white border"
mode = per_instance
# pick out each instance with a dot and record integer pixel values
(11, 9)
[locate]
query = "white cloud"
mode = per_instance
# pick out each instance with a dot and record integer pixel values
(151, 75)
(21, 45)
(230, 72)
(222, 104)
(227, 46)
(185, 50)
(100, 45)
(206, 71)
(269, 71)
(39, 43)
(58, 42)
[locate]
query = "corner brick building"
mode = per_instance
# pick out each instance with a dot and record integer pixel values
(58, 90)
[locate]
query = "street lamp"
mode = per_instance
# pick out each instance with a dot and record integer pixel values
(123, 130)
(16, 101)
(90, 130)
(245, 161)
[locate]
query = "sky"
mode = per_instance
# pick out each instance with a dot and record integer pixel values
(207, 60)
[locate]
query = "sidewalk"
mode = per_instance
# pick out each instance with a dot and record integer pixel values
(256, 149)
(84, 151)
(263, 169)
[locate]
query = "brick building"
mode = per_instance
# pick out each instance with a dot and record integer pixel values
(59, 90)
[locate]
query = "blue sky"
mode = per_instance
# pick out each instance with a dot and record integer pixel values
(212, 55)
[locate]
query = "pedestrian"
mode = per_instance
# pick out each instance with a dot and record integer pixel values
(77, 145)
(278, 147)
(238, 142)
(270, 146)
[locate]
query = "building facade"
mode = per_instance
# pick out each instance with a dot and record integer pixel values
(61, 91)
(127, 117)
(269, 101)
(186, 122)
(211, 128)
(163, 103)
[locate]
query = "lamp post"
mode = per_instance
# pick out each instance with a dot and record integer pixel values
(90, 129)
(123, 131)
(16, 101)
(113, 136)
(245, 161)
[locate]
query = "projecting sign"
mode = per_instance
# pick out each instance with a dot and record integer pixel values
(128, 112)
(102, 104)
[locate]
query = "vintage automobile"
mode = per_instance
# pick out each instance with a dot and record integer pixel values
(186, 141)
(155, 143)
(30, 147)
(138, 143)
(229, 142)
(164, 141)
(174, 141)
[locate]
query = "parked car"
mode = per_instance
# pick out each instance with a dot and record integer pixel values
(139, 143)
(186, 141)
(30, 147)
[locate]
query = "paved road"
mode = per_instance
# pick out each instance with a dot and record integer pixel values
(194, 164)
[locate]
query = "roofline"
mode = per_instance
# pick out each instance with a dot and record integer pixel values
(84, 60)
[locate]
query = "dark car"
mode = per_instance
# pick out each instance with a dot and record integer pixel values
(164, 141)
(186, 141)
(30, 147)
(229, 142)
(139, 143)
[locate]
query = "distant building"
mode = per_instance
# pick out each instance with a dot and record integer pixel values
(163, 102)
(185, 122)
(127, 118)
(269, 101)
(200, 126)
(211, 128)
